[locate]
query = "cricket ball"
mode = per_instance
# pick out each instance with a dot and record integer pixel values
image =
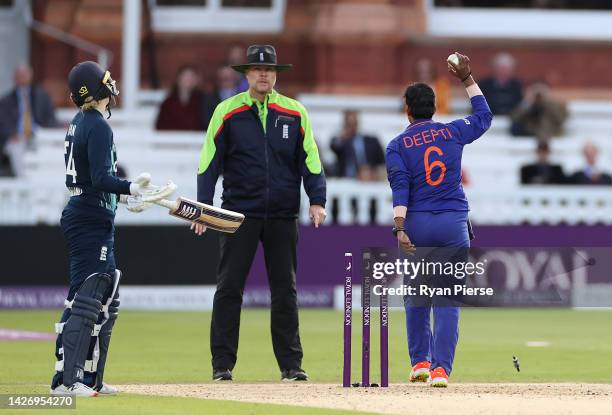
(453, 59)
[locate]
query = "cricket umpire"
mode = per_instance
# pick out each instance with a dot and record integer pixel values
(262, 143)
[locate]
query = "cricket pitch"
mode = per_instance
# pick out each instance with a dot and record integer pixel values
(457, 399)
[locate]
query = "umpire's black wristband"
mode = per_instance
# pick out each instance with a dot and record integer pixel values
(397, 229)
(466, 77)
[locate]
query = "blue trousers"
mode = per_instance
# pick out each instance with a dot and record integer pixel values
(90, 240)
(435, 229)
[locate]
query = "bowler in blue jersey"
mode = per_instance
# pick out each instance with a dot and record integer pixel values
(430, 208)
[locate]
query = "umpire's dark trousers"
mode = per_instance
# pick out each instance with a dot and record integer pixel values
(279, 238)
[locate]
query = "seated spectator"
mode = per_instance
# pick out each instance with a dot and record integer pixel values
(591, 174)
(542, 171)
(182, 107)
(357, 155)
(465, 178)
(502, 90)
(539, 115)
(22, 111)
(426, 73)
(225, 87)
(235, 56)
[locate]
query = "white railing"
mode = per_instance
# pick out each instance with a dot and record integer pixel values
(542, 205)
(492, 166)
(28, 202)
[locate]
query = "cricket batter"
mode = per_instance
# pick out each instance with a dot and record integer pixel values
(430, 208)
(92, 306)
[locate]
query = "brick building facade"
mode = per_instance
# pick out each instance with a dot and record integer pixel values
(344, 46)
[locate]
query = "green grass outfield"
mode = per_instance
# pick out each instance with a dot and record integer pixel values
(173, 347)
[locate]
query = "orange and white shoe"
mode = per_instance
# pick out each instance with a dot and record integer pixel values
(420, 372)
(439, 378)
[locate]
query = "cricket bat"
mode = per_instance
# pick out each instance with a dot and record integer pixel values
(221, 220)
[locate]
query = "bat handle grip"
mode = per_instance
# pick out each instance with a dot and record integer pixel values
(169, 204)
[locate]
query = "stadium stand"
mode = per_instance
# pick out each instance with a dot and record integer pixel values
(492, 164)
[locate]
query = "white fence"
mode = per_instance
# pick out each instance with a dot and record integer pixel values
(29, 202)
(492, 165)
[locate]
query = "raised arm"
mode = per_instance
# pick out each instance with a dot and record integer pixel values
(475, 125)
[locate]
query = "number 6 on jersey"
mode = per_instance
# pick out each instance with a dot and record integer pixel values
(430, 166)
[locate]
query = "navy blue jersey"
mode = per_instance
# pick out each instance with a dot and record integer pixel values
(424, 162)
(91, 162)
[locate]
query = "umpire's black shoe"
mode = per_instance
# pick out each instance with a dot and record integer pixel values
(222, 374)
(294, 374)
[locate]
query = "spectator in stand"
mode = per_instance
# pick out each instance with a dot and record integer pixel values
(225, 87)
(235, 56)
(591, 174)
(502, 90)
(357, 155)
(465, 178)
(426, 73)
(542, 171)
(182, 108)
(22, 111)
(539, 115)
